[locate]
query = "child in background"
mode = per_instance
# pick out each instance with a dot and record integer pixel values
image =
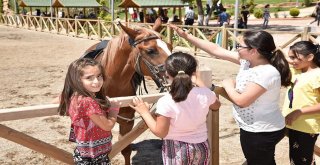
(182, 113)
(301, 108)
(92, 114)
(266, 16)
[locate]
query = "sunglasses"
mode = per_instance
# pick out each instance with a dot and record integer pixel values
(290, 93)
(243, 47)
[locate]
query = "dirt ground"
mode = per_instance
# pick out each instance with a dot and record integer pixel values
(33, 67)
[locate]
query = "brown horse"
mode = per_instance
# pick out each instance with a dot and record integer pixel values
(130, 56)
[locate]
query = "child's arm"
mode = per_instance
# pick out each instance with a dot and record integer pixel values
(160, 126)
(216, 105)
(294, 115)
(209, 47)
(251, 93)
(107, 122)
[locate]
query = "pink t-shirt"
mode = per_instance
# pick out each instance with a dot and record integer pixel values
(188, 117)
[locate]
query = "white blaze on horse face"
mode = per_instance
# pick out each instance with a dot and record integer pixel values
(164, 46)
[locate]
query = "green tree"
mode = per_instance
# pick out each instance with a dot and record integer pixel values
(104, 14)
(307, 3)
(1, 6)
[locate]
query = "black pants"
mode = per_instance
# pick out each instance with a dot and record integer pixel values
(259, 148)
(189, 21)
(301, 147)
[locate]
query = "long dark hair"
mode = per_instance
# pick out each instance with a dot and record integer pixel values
(305, 48)
(264, 43)
(73, 85)
(181, 66)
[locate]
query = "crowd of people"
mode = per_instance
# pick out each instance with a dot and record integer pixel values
(181, 113)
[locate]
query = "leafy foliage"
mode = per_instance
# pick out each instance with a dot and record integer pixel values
(1, 6)
(307, 2)
(103, 13)
(258, 13)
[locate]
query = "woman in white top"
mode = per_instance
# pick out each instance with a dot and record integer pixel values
(182, 113)
(255, 92)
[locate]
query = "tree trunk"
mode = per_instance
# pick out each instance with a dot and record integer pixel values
(6, 7)
(212, 8)
(200, 12)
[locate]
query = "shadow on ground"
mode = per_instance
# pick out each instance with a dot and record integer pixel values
(148, 152)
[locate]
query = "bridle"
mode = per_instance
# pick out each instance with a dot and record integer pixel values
(155, 70)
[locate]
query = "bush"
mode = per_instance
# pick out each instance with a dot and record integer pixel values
(307, 3)
(258, 13)
(294, 12)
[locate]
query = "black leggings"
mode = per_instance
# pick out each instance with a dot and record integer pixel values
(259, 148)
(301, 147)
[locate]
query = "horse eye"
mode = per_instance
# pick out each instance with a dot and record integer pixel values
(151, 51)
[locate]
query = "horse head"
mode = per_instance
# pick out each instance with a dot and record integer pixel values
(150, 51)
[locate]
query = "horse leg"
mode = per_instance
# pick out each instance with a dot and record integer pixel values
(126, 127)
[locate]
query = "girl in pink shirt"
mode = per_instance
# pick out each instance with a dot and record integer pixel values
(181, 113)
(92, 114)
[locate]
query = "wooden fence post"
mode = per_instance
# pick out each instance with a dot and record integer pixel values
(212, 120)
(194, 32)
(304, 36)
(169, 35)
(224, 32)
(99, 29)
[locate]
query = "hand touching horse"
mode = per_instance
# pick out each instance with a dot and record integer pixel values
(135, 53)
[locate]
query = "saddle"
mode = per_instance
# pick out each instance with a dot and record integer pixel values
(99, 49)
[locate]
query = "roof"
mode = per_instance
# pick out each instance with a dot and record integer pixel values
(34, 3)
(59, 3)
(79, 3)
(151, 3)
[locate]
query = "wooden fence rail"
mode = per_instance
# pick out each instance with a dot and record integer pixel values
(104, 30)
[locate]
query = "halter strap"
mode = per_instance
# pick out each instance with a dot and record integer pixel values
(135, 43)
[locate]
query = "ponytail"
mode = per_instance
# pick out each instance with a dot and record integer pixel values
(180, 66)
(279, 61)
(181, 86)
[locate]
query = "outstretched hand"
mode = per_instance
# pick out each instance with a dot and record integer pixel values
(139, 106)
(179, 31)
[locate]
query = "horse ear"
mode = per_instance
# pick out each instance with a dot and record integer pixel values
(157, 25)
(131, 33)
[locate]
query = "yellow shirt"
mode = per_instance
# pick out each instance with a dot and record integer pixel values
(306, 92)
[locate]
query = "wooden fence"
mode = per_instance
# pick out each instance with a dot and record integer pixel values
(66, 157)
(104, 30)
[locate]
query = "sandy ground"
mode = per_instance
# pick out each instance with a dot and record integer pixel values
(33, 67)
